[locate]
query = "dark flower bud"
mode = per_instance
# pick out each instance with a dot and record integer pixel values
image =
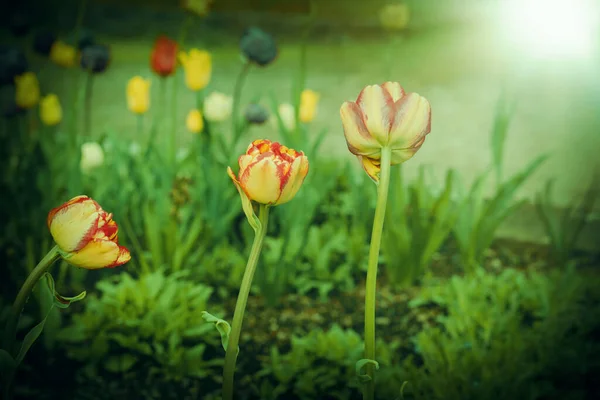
(19, 24)
(258, 46)
(43, 41)
(256, 114)
(12, 63)
(84, 39)
(95, 58)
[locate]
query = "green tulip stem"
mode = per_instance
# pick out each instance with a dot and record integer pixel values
(237, 94)
(23, 295)
(371, 285)
(240, 306)
(87, 117)
(140, 125)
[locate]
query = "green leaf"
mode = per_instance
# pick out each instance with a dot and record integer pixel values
(363, 378)
(7, 362)
(222, 326)
(30, 338)
(58, 300)
(121, 363)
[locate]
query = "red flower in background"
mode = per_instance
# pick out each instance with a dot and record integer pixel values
(164, 56)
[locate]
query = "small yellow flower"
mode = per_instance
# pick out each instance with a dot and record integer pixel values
(138, 95)
(198, 68)
(218, 107)
(27, 90)
(194, 122)
(63, 54)
(308, 105)
(394, 17)
(287, 114)
(50, 110)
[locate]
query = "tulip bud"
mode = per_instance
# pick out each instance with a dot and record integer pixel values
(394, 17)
(138, 95)
(27, 90)
(12, 64)
(198, 68)
(63, 54)
(308, 105)
(163, 59)
(385, 116)
(258, 46)
(43, 41)
(217, 107)
(270, 173)
(95, 58)
(86, 234)
(199, 7)
(92, 156)
(194, 122)
(50, 110)
(256, 114)
(288, 116)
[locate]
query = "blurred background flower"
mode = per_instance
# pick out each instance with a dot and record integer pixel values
(199, 7)
(258, 46)
(217, 107)
(92, 156)
(12, 63)
(63, 54)
(163, 59)
(256, 114)
(309, 99)
(394, 17)
(43, 41)
(95, 58)
(197, 65)
(27, 88)
(138, 95)
(50, 110)
(287, 114)
(194, 122)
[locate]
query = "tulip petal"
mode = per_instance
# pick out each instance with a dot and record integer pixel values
(412, 121)
(377, 109)
(298, 171)
(395, 90)
(261, 180)
(246, 202)
(99, 254)
(74, 223)
(358, 138)
(372, 167)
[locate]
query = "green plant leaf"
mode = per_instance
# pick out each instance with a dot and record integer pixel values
(58, 300)
(222, 326)
(360, 364)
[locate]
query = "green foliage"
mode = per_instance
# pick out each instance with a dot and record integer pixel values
(500, 336)
(564, 230)
(417, 224)
(320, 362)
(150, 329)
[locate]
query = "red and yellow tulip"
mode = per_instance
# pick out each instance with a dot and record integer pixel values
(385, 116)
(270, 173)
(86, 234)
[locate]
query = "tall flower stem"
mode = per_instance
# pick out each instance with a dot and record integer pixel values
(87, 112)
(237, 94)
(371, 285)
(240, 306)
(10, 331)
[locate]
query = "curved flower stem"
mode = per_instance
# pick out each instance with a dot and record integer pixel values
(23, 295)
(371, 285)
(10, 331)
(87, 112)
(240, 306)
(237, 93)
